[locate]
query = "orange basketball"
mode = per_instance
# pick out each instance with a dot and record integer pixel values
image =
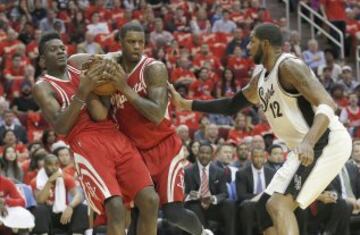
(105, 89)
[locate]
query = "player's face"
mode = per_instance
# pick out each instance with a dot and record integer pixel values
(133, 45)
(205, 155)
(55, 54)
(255, 49)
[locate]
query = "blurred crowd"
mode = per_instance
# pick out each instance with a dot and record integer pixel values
(204, 46)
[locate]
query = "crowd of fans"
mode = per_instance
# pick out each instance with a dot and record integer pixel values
(204, 46)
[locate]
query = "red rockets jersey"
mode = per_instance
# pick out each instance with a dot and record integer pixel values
(144, 133)
(64, 92)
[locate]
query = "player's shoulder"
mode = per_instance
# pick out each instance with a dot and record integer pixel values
(291, 62)
(152, 63)
(41, 87)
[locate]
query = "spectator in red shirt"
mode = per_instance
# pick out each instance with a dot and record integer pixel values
(239, 64)
(9, 45)
(181, 74)
(334, 11)
(202, 87)
(32, 49)
(180, 21)
(350, 115)
(14, 76)
(98, 7)
(337, 93)
(9, 197)
(70, 216)
(205, 55)
(241, 128)
(262, 127)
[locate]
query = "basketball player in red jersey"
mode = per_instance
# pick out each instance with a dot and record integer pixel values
(106, 160)
(140, 110)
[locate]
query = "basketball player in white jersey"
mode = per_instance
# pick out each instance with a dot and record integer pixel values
(301, 113)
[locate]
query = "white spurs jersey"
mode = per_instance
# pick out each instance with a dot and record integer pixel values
(289, 115)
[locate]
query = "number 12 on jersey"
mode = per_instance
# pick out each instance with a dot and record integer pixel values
(275, 109)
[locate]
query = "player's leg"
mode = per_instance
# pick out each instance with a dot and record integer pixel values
(137, 185)
(97, 177)
(115, 213)
(148, 203)
(281, 209)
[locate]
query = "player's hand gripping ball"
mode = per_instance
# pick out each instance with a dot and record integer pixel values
(107, 87)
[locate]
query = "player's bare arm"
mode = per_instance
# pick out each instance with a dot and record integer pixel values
(62, 120)
(98, 107)
(295, 75)
(228, 106)
(153, 107)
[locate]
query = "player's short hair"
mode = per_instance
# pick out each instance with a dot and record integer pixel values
(45, 38)
(270, 32)
(131, 26)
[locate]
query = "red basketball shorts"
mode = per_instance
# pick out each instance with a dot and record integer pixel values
(165, 163)
(108, 165)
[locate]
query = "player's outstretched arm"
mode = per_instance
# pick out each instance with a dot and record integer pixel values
(294, 74)
(228, 106)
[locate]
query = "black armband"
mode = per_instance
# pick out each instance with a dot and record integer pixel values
(227, 106)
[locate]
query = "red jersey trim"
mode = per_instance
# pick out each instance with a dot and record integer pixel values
(138, 64)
